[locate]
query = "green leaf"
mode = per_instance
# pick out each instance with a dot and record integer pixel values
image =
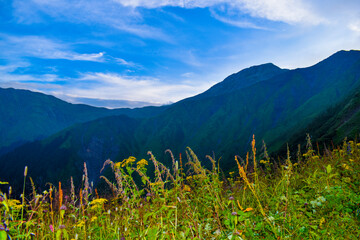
(3, 235)
(58, 234)
(328, 169)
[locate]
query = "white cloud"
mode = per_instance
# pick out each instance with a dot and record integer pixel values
(133, 88)
(40, 47)
(355, 26)
(241, 23)
(188, 75)
(105, 86)
(289, 11)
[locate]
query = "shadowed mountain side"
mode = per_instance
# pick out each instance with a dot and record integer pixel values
(63, 154)
(28, 116)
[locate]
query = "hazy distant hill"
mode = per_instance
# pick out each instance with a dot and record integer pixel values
(27, 116)
(272, 103)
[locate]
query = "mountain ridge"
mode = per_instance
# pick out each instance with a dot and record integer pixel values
(224, 123)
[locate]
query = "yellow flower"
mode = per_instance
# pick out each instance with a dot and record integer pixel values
(128, 161)
(156, 183)
(186, 188)
(264, 161)
(97, 203)
(93, 219)
(345, 166)
(14, 203)
(81, 223)
(322, 220)
(142, 163)
(117, 165)
(315, 157)
(248, 209)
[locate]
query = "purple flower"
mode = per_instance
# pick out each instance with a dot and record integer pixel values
(349, 149)
(231, 198)
(62, 226)
(306, 204)
(63, 207)
(234, 213)
(148, 194)
(51, 227)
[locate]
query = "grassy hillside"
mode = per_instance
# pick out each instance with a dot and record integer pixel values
(313, 196)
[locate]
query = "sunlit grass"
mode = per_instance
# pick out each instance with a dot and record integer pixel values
(309, 196)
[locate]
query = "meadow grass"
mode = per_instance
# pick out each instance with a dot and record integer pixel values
(312, 196)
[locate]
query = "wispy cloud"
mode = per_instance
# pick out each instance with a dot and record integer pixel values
(241, 23)
(104, 86)
(289, 11)
(41, 47)
(135, 88)
(91, 12)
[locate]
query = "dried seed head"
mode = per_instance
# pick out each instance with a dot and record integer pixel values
(25, 171)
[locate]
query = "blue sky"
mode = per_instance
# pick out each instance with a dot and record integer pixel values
(161, 51)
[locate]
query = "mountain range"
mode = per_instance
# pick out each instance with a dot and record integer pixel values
(277, 105)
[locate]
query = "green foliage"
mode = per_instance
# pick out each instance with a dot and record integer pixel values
(312, 197)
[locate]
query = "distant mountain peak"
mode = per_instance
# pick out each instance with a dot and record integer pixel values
(244, 78)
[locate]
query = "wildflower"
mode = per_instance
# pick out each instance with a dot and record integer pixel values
(14, 203)
(117, 165)
(248, 210)
(51, 227)
(187, 188)
(142, 163)
(128, 161)
(63, 207)
(234, 213)
(156, 183)
(305, 204)
(231, 198)
(93, 218)
(62, 226)
(322, 220)
(81, 223)
(148, 194)
(98, 201)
